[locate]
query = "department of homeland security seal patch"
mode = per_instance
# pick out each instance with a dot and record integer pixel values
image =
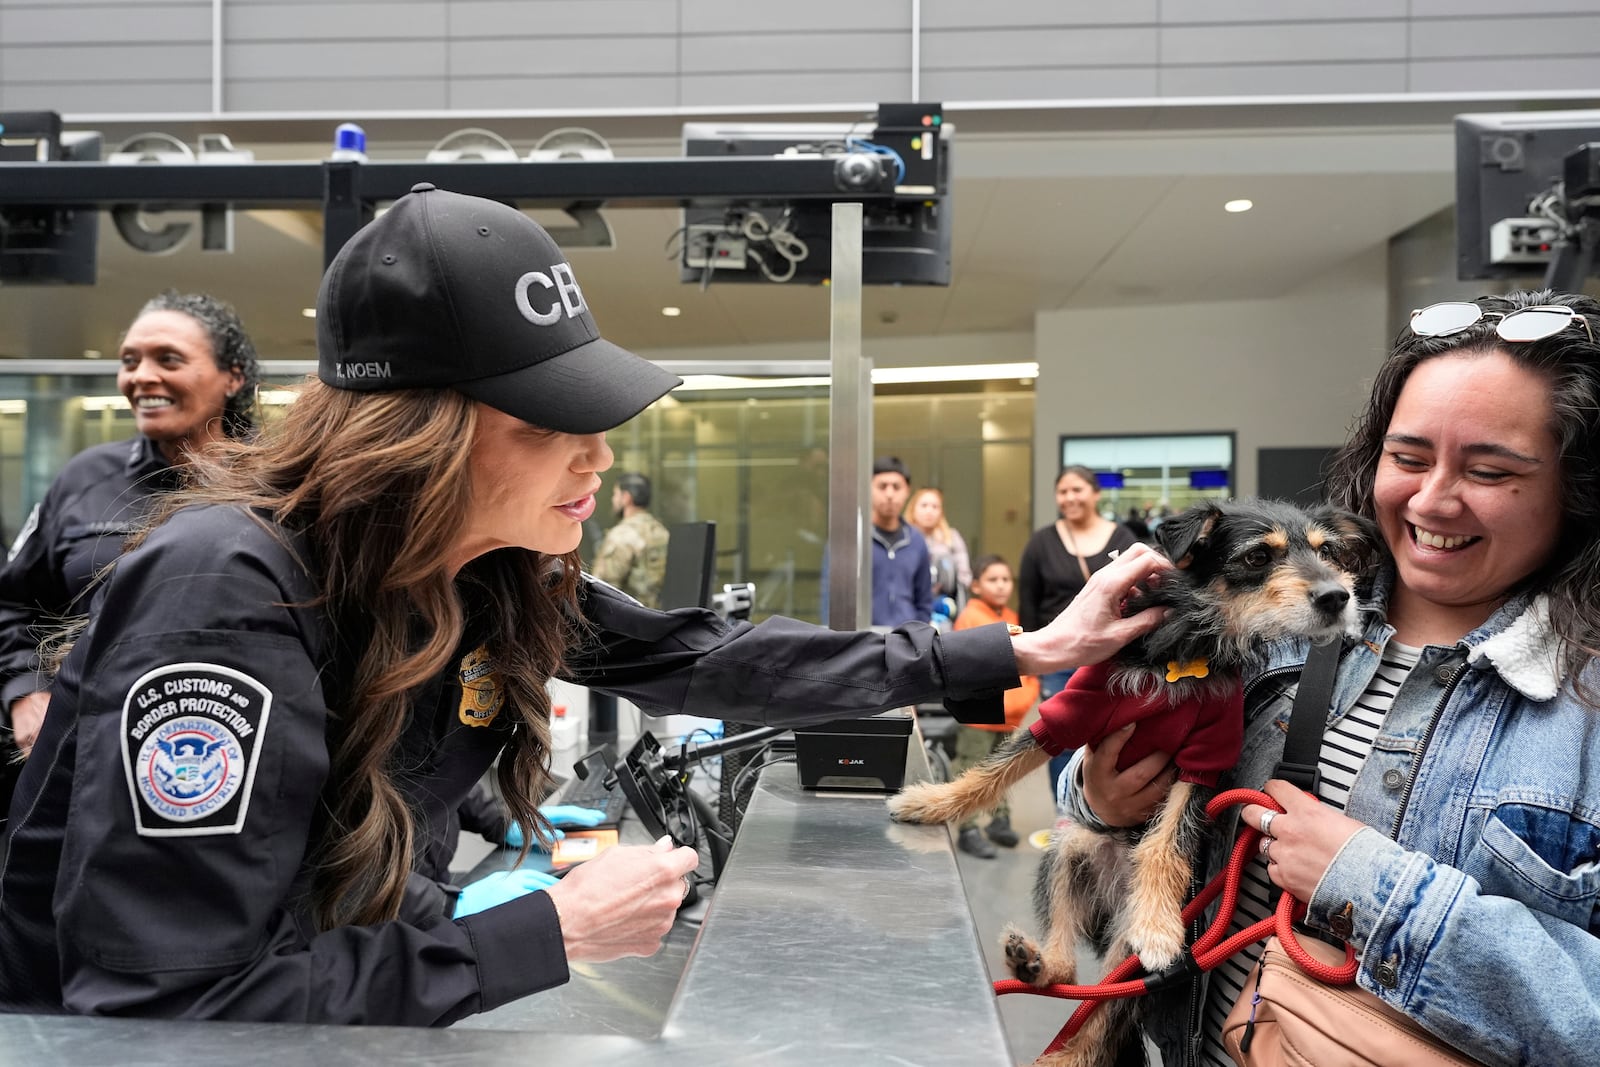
(191, 737)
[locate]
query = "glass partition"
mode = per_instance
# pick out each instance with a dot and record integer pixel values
(746, 448)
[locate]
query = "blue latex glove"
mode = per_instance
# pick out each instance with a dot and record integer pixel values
(500, 887)
(571, 815)
(559, 815)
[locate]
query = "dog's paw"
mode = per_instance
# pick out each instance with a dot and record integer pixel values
(1024, 959)
(920, 803)
(1158, 940)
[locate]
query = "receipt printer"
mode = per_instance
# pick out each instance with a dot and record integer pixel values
(857, 754)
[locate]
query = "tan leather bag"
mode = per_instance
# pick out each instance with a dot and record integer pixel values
(1303, 1022)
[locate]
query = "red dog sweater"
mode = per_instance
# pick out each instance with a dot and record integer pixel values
(1203, 735)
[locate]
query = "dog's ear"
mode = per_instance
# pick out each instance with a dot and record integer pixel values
(1187, 531)
(1359, 537)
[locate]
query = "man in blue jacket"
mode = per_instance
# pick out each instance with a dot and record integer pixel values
(902, 583)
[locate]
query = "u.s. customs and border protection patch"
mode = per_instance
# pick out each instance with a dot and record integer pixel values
(482, 696)
(191, 738)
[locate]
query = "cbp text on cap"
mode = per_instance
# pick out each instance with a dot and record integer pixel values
(565, 285)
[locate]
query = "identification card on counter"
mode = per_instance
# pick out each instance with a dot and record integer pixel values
(580, 845)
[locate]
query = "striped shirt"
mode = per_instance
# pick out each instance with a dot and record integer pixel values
(1345, 747)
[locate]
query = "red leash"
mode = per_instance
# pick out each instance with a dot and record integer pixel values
(1210, 949)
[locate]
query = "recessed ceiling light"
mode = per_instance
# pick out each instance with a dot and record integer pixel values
(309, 313)
(671, 312)
(91, 353)
(1236, 206)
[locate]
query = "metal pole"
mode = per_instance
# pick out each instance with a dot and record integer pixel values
(216, 60)
(849, 433)
(916, 49)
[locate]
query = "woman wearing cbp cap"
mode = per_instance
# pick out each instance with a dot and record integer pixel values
(315, 653)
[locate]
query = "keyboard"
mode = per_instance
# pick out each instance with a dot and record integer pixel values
(591, 792)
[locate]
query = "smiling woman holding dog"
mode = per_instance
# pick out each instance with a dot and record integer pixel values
(1455, 838)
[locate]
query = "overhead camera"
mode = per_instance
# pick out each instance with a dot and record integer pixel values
(1581, 172)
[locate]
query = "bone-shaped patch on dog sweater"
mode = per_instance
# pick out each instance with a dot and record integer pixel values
(1204, 735)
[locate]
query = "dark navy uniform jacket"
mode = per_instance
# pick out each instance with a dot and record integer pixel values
(156, 858)
(77, 528)
(94, 503)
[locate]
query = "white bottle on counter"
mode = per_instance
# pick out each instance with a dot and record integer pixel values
(563, 729)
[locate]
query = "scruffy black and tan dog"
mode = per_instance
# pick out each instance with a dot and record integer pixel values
(1244, 572)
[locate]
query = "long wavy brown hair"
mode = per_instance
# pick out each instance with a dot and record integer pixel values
(375, 486)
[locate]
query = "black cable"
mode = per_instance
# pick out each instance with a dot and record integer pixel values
(760, 766)
(680, 235)
(755, 763)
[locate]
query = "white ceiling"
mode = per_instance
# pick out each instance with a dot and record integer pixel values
(1044, 219)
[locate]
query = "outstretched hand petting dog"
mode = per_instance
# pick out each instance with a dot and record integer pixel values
(1091, 628)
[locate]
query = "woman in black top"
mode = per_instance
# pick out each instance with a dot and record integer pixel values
(1057, 563)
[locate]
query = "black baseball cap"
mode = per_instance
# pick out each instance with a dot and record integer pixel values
(446, 290)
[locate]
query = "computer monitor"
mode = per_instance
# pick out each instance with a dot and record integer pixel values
(46, 245)
(1509, 180)
(691, 565)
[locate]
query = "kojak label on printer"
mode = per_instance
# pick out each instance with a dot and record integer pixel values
(191, 737)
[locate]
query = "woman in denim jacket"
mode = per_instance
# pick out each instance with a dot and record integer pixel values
(1455, 839)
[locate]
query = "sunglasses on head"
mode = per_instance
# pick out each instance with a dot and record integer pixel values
(1523, 324)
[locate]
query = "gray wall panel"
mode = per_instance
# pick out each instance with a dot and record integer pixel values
(340, 21)
(1514, 75)
(299, 54)
(56, 5)
(574, 55)
(326, 94)
(1496, 38)
(1174, 12)
(67, 24)
(131, 99)
(745, 16)
(963, 14)
(705, 90)
(1283, 43)
(1006, 49)
(1422, 9)
(1082, 83)
(566, 92)
(106, 63)
(797, 52)
(562, 18)
(300, 59)
(1255, 79)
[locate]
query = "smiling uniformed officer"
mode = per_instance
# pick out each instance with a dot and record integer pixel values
(297, 676)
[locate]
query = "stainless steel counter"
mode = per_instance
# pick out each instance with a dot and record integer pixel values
(835, 937)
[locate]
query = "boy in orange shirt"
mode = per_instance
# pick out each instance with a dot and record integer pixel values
(991, 595)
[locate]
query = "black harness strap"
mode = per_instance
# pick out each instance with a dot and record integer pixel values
(1302, 749)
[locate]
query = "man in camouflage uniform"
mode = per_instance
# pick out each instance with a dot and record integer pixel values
(633, 556)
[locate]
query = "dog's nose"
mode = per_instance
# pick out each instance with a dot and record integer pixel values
(1330, 600)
